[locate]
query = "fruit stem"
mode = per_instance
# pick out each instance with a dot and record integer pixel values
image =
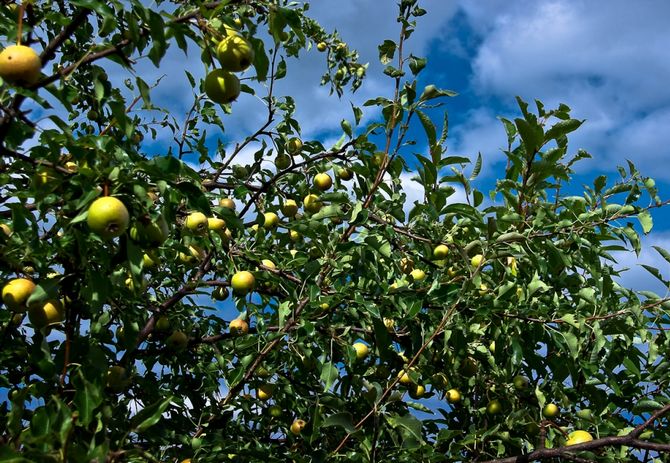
(19, 31)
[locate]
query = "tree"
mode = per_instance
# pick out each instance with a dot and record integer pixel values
(120, 351)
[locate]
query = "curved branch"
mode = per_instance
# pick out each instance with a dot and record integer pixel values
(629, 440)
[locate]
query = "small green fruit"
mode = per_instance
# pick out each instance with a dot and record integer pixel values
(520, 382)
(322, 181)
(551, 411)
(578, 437)
(243, 282)
(196, 222)
(312, 203)
(177, 341)
(235, 53)
(294, 146)
(108, 217)
(476, 260)
(361, 350)
(440, 252)
(494, 407)
(222, 86)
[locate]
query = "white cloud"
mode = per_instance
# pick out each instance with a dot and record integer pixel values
(482, 133)
(611, 65)
(637, 277)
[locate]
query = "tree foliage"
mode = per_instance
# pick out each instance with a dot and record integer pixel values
(525, 309)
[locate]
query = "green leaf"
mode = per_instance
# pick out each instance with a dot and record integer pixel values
(407, 422)
(342, 419)
(645, 221)
(328, 376)
(562, 128)
(87, 398)
(428, 127)
(416, 65)
(387, 51)
(531, 135)
(665, 254)
(45, 289)
(150, 415)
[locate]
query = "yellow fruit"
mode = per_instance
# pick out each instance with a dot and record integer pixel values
(149, 260)
(235, 53)
(226, 235)
(494, 407)
(361, 350)
(196, 222)
(294, 146)
(476, 260)
(513, 266)
(265, 391)
(177, 341)
(406, 265)
(46, 314)
(215, 224)
(295, 236)
(15, 294)
(483, 289)
(271, 220)
(322, 46)
(238, 327)
(43, 177)
(312, 203)
(440, 252)
(6, 229)
(404, 378)
(551, 411)
(243, 282)
(452, 272)
(323, 181)
(108, 217)
(20, 64)
(130, 284)
(417, 391)
(227, 202)
(289, 208)
(578, 437)
(297, 426)
(222, 86)
(453, 396)
(195, 253)
(492, 347)
(418, 274)
(117, 378)
(269, 264)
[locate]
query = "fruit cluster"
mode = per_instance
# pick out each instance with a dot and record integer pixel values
(235, 54)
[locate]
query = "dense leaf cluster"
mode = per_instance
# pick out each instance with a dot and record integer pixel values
(464, 349)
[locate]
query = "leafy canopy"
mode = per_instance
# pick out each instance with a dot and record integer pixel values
(139, 360)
